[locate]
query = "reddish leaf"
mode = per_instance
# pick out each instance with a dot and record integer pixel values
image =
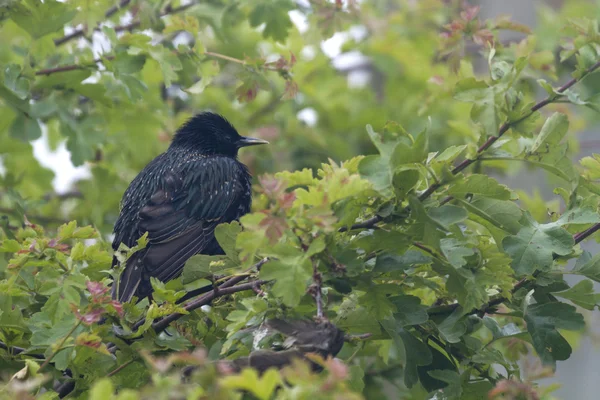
(91, 317)
(271, 186)
(96, 289)
(275, 228)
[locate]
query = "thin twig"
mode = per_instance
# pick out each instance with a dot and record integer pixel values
(119, 368)
(161, 325)
(317, 290)
(60, 345)
(369, 223)
(585, 234)
(80, 32)
(66, 68)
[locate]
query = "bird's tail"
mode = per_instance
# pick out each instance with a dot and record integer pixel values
(129, 281)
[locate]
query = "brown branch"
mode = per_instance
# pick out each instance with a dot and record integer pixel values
(164, 323)
(316, 290)
(369, 223)
(80, 32)
(221, 290)
(119, 368)
(507, 125)
(66, 68)
(578, 238)
(585, 234)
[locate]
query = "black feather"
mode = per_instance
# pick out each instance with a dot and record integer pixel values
(179, 198)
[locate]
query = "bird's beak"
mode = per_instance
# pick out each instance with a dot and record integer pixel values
(250, 141)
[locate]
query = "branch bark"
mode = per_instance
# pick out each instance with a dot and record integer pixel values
(80, 32)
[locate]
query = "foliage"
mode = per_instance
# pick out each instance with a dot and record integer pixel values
(411, 242)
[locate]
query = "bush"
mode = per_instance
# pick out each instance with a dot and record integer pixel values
(442, 278)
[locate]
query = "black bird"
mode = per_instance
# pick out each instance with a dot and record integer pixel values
(179, 198)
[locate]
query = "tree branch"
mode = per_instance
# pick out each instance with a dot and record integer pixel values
(221, 291)
(488, 143)
(80, 32)
(369, 223)
(224, 289)
(66, 68)
(578, 238)
(316, 290)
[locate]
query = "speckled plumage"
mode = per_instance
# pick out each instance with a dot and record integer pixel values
(179, 198)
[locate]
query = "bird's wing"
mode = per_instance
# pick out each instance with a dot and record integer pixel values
(180, 219)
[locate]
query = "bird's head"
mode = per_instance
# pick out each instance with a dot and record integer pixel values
(211, 133)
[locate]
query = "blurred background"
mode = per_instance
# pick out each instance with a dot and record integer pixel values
(340, 71)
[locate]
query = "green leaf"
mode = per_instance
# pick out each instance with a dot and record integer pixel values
(103, 389)
(274, 14)
(582, 294)
(531, 249)
(201, 266)
(554, 130)
(416, 352)
(316, 246)
(291, 278)
(62, 79)
(398, 263)
(25, 128)
(453, 327)
(498, 332)
(481, 185)
(455, 251)
(502, 214)
(41, 18)
(588, 266)
(262, 387)
(410, 310)
(377, 171)
(226, 235)
(543, 320)
(16, 83)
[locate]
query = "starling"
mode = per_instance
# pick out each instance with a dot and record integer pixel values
(179, 198)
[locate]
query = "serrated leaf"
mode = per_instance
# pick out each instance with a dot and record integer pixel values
(377, 171)
(397, 263)
(410, 311)
(582, 294)
(455, 251)
(498, 332)
(25, 128)
(291, 279)
(553, 131)
(226, 234)
(543, 320)
(481, 185)
(274, 14)
(503, 214)
(532, 248)
(416, 352)
(588, 266)
(41, 18)
(103, 389)
(262, 387)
